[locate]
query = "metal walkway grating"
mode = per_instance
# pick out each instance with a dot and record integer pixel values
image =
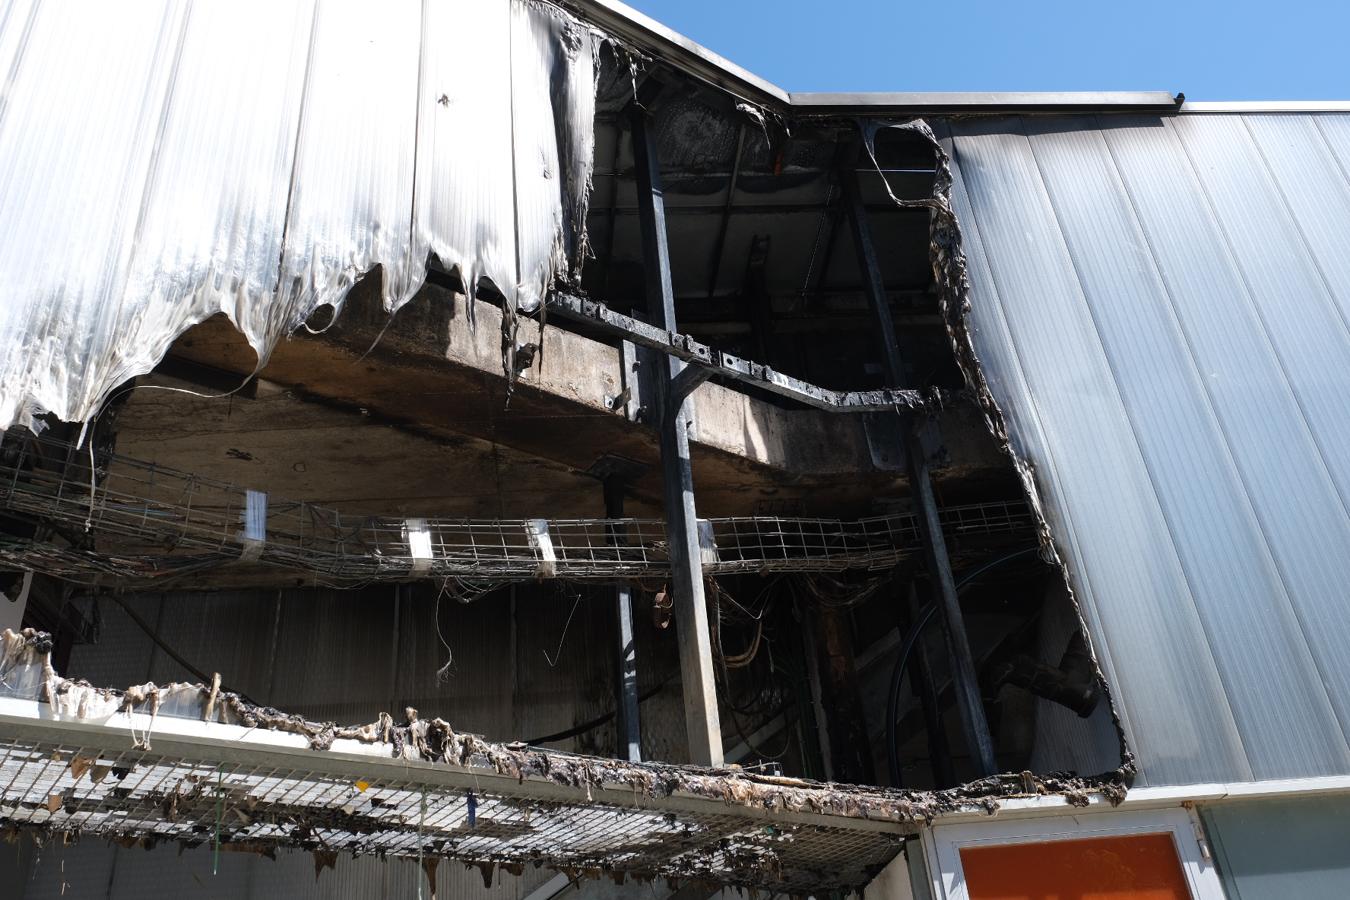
(117, 766)
(149, 797)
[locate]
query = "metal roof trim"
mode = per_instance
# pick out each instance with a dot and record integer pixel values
(987, 101)
(1265, 106)
(647, 34)
(626, 23)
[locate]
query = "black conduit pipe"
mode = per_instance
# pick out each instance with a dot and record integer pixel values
(907, 647)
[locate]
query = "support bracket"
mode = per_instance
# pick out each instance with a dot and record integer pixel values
(686, 349)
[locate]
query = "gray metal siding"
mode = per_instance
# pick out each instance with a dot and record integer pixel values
(1160, 307)
(1280, 849)
(89, 870)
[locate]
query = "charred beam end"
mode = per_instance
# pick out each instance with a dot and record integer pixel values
(724, 365)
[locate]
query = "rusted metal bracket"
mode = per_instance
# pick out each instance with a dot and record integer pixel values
(724, 365)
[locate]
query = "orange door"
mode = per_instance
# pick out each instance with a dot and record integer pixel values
(1137, 867)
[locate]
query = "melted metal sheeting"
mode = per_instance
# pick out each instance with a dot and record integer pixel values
(164, 162)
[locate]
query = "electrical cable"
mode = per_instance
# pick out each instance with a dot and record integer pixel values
(595, 723)
(741, 660)
(173, 654)
(758, 698)
(763, 754)
(907, 646)
(754, 704)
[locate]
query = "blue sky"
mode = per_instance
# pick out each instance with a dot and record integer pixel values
(1234, 50)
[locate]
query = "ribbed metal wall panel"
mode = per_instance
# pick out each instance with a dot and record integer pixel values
(173, 161)
(361, 96)
(1273, 849)
(90, 871)
(1160, 307)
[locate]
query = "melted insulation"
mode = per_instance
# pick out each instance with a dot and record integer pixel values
(168, 161)
(197, 765)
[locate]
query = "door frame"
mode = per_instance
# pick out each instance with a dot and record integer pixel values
(943, 843)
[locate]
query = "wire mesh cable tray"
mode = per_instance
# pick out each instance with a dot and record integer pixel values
(149, 520)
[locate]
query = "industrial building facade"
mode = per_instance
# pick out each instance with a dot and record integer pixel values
(505, 450)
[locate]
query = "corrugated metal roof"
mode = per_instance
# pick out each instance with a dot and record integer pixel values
(1161, 307)
(166, 161)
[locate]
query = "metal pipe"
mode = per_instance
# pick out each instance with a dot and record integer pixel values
(725, 223)
(925, 683)
(912, 641)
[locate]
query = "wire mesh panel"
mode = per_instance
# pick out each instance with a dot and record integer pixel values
(148, 521)
(190, 764)
(137, 796)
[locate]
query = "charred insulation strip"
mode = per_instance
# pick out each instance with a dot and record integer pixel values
(953, 286)
(719, 826)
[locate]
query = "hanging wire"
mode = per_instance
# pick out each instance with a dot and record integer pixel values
(557, 655)
(220, 813)
(421, 828)
(443, 673)
(763, 696)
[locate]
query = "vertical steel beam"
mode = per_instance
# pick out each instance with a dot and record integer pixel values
(969, 703)
(850, 750)
(925, 685)
(819, 716)
(691, 611)
(630, 731)
(720, 244)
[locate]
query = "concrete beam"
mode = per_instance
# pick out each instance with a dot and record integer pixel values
(436, 375)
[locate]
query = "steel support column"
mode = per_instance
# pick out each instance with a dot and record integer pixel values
(968, 700)
(850, 749)
(630, 731)
(691, 612)
(925, 686)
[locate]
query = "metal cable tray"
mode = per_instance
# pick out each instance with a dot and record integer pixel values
(149, 521)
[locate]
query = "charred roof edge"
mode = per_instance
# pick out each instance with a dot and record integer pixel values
(650, 36)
